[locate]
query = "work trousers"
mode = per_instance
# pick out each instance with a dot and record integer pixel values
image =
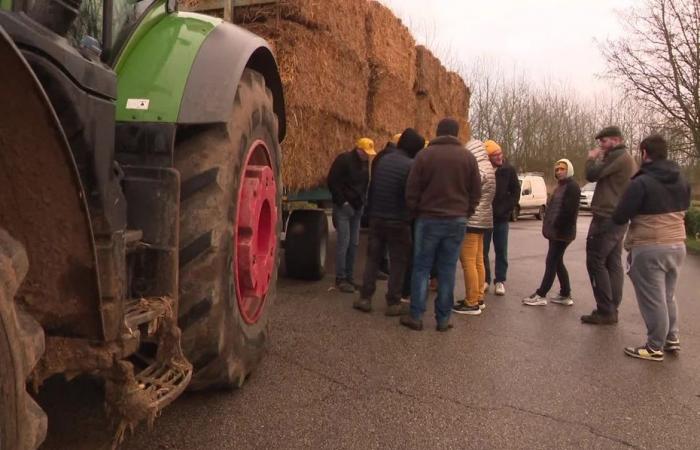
(396, 236)
(604, 263)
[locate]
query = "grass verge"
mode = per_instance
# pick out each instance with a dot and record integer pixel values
(693, 245)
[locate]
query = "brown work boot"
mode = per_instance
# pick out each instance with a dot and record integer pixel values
(344, 286)
(410, 322)
(362, 304)
(596, 318)
(398, 309)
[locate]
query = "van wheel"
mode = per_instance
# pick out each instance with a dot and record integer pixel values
(515, 214)
(540, 213)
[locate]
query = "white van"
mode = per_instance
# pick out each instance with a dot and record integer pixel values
(587, 196)
(533, 196)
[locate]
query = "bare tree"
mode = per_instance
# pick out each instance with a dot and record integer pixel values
(657, 63)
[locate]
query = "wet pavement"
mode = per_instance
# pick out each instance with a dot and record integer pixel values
(514, 377)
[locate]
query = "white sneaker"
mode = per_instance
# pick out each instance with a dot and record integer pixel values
(561, 300)
(535, 300)
(405, 300)
(500, 288)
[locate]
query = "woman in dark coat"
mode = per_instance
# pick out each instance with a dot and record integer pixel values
(559, 227)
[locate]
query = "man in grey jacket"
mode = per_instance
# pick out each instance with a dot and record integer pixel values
(611, 166)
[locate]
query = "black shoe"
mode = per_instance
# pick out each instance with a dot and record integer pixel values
(353, 284)
(443, 327)
(411, 323)
(363, 305)
(595, 318)
(460, 303)
(398, 309)
(344, 286)
(672, 345)
(466, 309)
(382, 276)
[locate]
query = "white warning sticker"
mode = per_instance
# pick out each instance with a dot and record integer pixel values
(137, 103)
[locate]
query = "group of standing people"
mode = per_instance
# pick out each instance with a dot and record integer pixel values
(433, 205)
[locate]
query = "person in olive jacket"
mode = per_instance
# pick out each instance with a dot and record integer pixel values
(559, 227)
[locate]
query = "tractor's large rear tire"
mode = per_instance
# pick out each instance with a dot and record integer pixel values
(22, 422)
(230, 220)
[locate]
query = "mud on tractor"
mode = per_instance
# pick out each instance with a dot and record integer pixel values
(139, 203)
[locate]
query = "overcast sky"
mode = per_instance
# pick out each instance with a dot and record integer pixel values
(552, 39)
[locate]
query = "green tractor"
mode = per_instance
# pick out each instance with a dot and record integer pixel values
(140, 203)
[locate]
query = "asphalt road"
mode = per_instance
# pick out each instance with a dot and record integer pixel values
(514, 377)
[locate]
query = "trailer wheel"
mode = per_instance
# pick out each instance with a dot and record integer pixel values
(22, 422)
(230, 221)
(305, 244)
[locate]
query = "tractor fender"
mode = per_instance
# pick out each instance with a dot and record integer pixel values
(185, 67)
(217, 69)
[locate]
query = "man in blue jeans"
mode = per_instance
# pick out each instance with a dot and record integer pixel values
(506, 198)
(442, 191)
(348, 178)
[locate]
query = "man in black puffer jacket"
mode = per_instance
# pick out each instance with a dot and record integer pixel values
(389, 222)
(655, 204)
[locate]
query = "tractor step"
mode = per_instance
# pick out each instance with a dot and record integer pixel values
(141, 311)
(163, 382)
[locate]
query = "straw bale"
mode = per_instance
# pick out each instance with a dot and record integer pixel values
(314, 139)
(345, 19)
(318, 71)
(391, 47)
(391, 106)
(459, 95)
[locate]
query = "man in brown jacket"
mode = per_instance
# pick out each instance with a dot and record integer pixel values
(611, 166)
(442, 191)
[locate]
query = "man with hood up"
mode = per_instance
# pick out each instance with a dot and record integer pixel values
(655, 204)
(389, 223)
(559, 227)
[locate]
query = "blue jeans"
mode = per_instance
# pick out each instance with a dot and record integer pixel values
(437, 242)
(347, 224)
(499, 234)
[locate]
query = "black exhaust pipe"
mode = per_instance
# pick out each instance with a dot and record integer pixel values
(56, 15)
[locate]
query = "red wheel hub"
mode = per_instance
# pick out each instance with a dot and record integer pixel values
(256, 235)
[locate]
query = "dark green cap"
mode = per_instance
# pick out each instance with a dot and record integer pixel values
(612, 131)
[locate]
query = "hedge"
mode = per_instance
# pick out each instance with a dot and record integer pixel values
(692, 221)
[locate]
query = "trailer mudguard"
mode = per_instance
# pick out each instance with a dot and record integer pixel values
(185, 68)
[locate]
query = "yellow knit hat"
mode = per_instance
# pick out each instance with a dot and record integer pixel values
(492, 148)
(395, 138)
(367, 145)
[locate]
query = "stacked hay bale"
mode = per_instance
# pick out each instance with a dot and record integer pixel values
(391, 104)
(321, 51)
(439, 94)
(350, 68)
